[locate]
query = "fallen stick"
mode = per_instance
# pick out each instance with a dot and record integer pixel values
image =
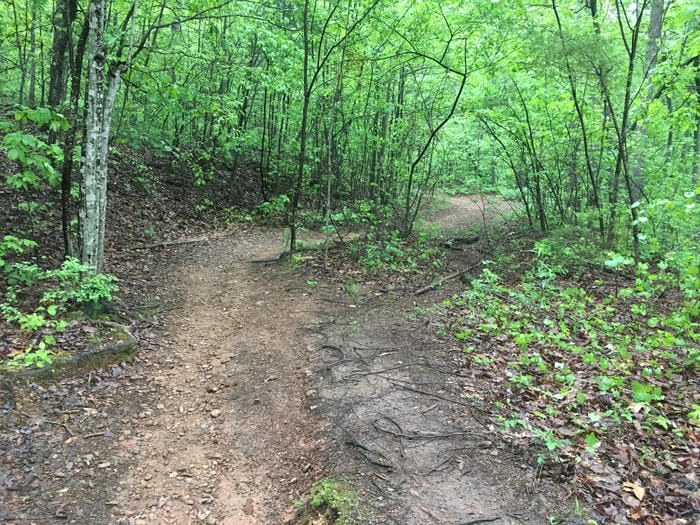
(184, 240)
(441, 281)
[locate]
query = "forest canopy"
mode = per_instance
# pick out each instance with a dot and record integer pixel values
(587, 112)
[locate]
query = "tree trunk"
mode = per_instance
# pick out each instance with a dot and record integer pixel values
(656, 16)
(296, 192)
(31, 99)
(98, 116)
(70, 141)
(93, 190)
(58, 71)
(696, 152)
(21, 54)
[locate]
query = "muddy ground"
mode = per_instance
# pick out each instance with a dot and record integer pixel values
(255, 380)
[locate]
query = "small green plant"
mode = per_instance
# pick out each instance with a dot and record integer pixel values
(233, 215)
(645, 394)
(694, 415)
(39, 356)
(204, 205)
(274, 209)
(601, 360)
(195, 163)
(352, 288)
(10, 243)
(329, 499)
(388, 251)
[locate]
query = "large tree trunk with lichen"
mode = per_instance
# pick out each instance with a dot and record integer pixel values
(98, 115)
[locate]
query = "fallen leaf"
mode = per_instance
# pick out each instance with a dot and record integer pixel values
(637, 490)
(637, 513)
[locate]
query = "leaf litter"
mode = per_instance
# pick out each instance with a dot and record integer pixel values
(600, 387)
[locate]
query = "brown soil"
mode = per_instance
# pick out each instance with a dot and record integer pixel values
(254, 381)
(470, 213)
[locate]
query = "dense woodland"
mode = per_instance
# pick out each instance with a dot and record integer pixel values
(587, 113)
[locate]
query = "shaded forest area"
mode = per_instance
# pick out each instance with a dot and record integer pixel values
(354, 116)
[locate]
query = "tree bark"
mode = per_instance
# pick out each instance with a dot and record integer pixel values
(70, 141)
(98, 117)
(93, 190)
(696, 151)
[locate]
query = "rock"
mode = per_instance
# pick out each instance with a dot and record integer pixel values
(215, 413)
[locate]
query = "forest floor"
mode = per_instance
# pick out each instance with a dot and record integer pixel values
(256, 379)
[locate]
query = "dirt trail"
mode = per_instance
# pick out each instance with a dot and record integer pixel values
(400, 404)
(259, 383)
(466, 213)
(254, 354)
(231, 435)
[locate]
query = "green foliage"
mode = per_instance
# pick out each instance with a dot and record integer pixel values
(38, 356)
(198, 163)
(558, 341)
(273, 210)
(669, 232)
(10, 243)
(545, 269)
(204, 205)
(330, 493)
(78, 286)
(536, 118)
(382, 251)
(234, 215)
(36, 299)
(331, 499)
(36, 157)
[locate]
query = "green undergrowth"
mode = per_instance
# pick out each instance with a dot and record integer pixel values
(38, 303)
(388, 251)
(591, 363)
(329, 501)
(370, 248)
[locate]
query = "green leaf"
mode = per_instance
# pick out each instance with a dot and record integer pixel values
(662, 422)
(591, 442)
